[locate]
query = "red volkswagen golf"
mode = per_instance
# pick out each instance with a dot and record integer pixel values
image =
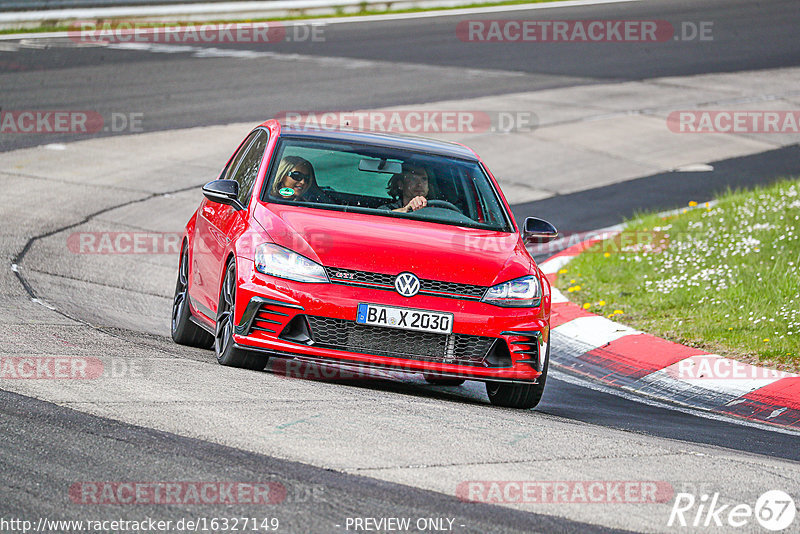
(365, 249)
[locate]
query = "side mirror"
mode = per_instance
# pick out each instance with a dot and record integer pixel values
(224, 192)
(538, 231)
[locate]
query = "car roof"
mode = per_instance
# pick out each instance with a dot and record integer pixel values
(403, 142)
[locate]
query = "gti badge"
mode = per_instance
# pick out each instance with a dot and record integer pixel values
(407, 284)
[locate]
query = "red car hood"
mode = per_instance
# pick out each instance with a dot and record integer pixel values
(390, 246)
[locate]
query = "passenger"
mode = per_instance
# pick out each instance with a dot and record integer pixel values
(296, 180)
(410, 189)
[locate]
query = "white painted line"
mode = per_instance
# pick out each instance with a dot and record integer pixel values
(776, 413)
(475, 11)
(229, 9)
(557, 297)
(694, 167)
(43, 303)
(327, 61)
(595, 331)
(162, 10)
(553, 265)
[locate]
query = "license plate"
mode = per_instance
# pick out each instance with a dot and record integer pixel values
(405, 318)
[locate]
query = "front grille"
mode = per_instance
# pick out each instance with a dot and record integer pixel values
(344, 276)
(452, 287)
(386, 281)
(340, 334)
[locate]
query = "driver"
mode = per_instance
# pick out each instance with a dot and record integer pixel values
(409, 189)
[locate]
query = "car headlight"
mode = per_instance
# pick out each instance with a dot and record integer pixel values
(518, 293)
(281, 262)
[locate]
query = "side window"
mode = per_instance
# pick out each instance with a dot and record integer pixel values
(247, 169)
(227, 172)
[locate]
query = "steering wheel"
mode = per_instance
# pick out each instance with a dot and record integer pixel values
(442, 204)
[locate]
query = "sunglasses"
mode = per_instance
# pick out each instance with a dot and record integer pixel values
(298, 176)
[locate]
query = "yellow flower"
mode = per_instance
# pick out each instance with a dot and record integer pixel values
(617, 312)
(606, 254)
(730, 328)
(587, 306)
(766, 339)
(692, 203)
(601, 303)
(572, 281)
(562, 271)
(684, 210)
(706, 204)
(576, 288)
(570, 289)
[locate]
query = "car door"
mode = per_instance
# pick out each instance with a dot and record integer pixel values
(218, 224)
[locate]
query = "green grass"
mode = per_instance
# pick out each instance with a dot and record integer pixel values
(724, 278)
(49, 26)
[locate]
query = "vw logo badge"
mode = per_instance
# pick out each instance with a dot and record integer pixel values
(407, 284)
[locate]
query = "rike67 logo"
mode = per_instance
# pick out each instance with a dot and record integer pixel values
(774, 510)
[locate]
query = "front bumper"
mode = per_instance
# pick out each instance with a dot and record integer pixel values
(316, 322)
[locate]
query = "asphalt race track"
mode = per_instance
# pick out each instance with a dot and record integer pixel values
(344, 448)
(365, 62)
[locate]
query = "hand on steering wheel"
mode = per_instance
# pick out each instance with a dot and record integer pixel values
(443, 204)
(416, 203)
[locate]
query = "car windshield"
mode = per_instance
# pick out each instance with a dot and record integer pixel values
(382, 181)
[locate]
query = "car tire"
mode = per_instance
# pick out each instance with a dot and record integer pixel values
(437, 380)
(184, 331)
(227, 353)
(522, 396)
